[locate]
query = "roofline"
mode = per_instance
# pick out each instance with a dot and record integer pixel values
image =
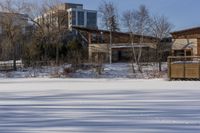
(72, 4)
(21, 14)
(101, 30)
(185, 30)
(76, 9)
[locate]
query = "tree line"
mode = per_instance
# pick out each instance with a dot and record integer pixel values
(46, 41)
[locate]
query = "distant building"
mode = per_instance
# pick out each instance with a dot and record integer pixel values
(99, 45)
(13, 20)
(12, 25)
(186, 42)
(71, 15)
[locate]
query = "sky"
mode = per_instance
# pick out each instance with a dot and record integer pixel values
(181, 13)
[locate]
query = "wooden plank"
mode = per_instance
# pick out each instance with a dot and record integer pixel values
(192, 71)
(177, 71)
(185, 67)
(169, 68)
(198, 46)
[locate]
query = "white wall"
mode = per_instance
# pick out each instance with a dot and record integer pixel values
(181, 43)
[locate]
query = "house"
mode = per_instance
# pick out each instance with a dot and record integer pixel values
(184, 64)
(186, 42)
(70, 14)
(121, 49)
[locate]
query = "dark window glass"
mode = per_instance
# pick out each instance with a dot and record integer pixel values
(80, 18)
(73, 18)
(91, 19)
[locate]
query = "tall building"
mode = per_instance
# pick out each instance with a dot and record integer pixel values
(73, 15)
(79, 16)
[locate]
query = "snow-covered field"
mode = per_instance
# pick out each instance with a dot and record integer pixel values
(115, 70)
(99, 105)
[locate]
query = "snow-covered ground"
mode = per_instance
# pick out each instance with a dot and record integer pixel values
(123, 70)
(99, 106)
(115, 70)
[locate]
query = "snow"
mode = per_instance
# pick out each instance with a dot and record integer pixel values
(39, 72)
(115, 70)
(186, 62)
(44, 105)
(123, 70)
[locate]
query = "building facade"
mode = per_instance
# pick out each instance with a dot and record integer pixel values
(121, 48)
(186, 42)
(82, 17)
(71, 15)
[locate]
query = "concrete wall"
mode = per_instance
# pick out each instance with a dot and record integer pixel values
(181, 43)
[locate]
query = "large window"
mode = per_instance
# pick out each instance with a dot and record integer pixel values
(91, 19)
(80, 18)
(73, 18)
(184, 52)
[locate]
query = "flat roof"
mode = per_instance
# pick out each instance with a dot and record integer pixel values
(92, 30)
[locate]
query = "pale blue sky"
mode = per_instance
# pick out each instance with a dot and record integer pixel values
(182, 13)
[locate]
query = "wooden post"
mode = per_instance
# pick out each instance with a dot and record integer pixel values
(169, 68)
(184, 68)
(199, 68)
(89, 38)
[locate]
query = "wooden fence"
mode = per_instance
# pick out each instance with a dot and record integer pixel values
(8, 65)
(184, 67)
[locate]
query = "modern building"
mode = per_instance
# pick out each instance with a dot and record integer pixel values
(71, 15)
(186, 42)
(82, 17)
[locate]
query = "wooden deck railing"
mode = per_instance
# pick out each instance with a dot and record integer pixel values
(184, 67)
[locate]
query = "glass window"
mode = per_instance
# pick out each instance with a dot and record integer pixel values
(91, 19)
(73, 18)
(81, 18)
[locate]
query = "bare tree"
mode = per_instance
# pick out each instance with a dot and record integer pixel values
(51, 25)
(109, 16)
(130, 22)
(13, 23)
(142, 28)
(57, 24)
(160, 29)
(137, 22)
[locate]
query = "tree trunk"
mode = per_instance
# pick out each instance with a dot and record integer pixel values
(160, 65)
(133, 54)
(57, 54)
(159, 56)
(14, 58)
